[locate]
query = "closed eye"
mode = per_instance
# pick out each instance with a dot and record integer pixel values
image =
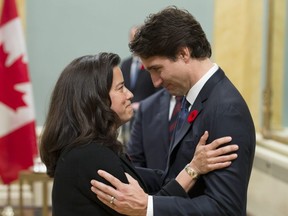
(120, 86)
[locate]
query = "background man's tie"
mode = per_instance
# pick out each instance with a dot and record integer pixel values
(174, 116)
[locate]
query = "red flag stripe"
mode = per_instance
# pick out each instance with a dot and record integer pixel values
(9, 11)
(15, 152)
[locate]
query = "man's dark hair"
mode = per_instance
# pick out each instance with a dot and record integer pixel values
(166, 32)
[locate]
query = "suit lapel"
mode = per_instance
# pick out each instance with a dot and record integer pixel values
(198, 105)
(186, 125)
(164, 102)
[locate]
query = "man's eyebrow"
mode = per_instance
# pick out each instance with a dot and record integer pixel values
(153, 67)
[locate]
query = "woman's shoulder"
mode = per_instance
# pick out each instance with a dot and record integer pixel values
(92, 149)
(91, 157)
(89, 153)
(94, 156)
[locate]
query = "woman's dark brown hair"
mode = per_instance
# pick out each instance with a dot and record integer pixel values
(79, 111)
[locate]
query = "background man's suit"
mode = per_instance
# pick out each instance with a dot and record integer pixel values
(149, 141)
(222, 112)
(143, 86)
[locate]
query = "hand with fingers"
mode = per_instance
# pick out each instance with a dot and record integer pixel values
(211, 156)
(130, 199)
(207, 157)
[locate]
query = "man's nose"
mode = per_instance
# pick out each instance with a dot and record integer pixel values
(157, 81)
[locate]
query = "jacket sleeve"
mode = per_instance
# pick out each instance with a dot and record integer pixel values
(172, 188)
(153, 180)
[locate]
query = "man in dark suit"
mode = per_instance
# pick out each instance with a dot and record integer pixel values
(149, 142)
(142, 86)
(138, 81)
(174, 49)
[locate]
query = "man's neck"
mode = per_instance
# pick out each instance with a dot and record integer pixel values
(200, 68)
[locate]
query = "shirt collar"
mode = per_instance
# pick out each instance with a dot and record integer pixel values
(194, 91)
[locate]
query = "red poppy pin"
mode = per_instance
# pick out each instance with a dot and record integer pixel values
(142, 67)
(192, 116)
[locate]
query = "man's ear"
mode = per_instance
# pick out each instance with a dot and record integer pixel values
(184, 54)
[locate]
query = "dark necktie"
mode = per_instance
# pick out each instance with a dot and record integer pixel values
(182, 114)
(174, 116)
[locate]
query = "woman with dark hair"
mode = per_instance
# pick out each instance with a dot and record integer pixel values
(88, 105)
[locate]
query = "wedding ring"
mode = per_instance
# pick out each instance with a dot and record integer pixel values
(112, 200)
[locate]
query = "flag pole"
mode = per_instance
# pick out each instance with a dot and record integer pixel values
(8, 210)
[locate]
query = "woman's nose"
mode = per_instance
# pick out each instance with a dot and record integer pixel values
(129, 94)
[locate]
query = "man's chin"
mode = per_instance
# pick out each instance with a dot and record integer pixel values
(171, 91)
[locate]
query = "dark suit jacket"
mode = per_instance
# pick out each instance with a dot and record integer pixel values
(143, 87)
(222, 112)
(149, 142)
(71, 194)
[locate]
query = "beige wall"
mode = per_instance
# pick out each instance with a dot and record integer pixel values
(277, 61)
(238, 47)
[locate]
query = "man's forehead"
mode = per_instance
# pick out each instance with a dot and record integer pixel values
(153, 60)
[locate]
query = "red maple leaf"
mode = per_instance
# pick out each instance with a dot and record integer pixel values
(9, 77)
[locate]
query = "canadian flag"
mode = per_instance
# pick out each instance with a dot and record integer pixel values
(18, 144)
